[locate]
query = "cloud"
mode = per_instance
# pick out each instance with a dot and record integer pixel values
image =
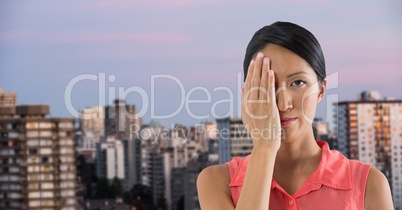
(108, 4)
(43, 37)
(152, 37)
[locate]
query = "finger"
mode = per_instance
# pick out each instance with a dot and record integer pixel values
(250, 71)
(247, 83)
(243, 105)
(271, 88)
(272, 97)
(245, 93)
(255, 80)
(242, 98)
(263, 92)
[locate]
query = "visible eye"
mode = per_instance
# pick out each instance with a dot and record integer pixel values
(298, 83)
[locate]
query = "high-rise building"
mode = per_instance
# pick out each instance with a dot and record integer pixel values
(319, 128)
(155, 159)
(194, 167)
(92, 120)
(158, 159)
(37, 157)
(123, 122)
(321, 132)
(177, 183)
(7, 99)
(207, 139)
(132, 163)
(163, 151)
(113, 160)
(92, 130)
(110, 159)
(233, 139)
(371, 131)
(86, 145)
(206, 131)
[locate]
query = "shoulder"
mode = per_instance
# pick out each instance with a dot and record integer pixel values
(213, 188)
(378, 193)
(215, 174)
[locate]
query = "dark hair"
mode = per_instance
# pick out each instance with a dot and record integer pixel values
(292, 37)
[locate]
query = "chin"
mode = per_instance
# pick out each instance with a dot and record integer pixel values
(288, 136)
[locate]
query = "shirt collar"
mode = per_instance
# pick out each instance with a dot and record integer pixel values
(333, 171)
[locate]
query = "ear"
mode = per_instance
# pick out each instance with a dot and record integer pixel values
(323, 85)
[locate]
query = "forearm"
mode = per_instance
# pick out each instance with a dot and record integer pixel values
(257, 182)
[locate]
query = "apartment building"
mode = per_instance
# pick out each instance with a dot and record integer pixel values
(37, 155)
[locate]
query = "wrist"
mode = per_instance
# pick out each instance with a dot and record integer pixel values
(267, 146)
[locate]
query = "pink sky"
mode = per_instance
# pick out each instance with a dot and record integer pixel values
(201, 43)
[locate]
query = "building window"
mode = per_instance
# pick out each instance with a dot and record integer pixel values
(45, 125)
(33, 186)
(33, 169)
(45, 151)
(65, 125)
(15, 126)
(4, 144)
(47, 195)
(33, 143)
(67, 185)
(32, 134)
(67, 193)
(32, 125)
(46, 143)
(47, 177)
(47, 168)
(33, 177)
(4, 134)
(45, 134)
(34, 203)
(48, 202)
(34, 195)
(33, 151)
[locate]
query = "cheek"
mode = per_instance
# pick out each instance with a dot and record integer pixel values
(309, 104)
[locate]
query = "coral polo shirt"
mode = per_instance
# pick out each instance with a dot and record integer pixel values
(337, 184)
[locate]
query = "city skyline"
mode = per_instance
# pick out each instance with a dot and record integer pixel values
(43, 46)
(168, 164)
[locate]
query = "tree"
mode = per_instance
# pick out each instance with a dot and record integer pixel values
(102, 189)
(127, 198)
(87, 173)
(116, 190)
(142, 197)
(161, 203)
(180, 203)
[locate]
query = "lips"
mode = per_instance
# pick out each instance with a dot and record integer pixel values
(285, 121)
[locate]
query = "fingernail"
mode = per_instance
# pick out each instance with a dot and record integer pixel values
(252, 62)
(259, 56)
(271, 73)
(265, 61)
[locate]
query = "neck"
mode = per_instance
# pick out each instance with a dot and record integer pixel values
(298, 155)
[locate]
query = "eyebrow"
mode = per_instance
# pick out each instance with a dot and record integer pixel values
(296, 73)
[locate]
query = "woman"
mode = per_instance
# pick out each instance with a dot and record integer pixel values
(285, 75)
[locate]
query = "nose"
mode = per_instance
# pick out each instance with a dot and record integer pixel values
(283, 99)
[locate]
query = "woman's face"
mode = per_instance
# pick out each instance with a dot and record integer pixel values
(297, 91)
